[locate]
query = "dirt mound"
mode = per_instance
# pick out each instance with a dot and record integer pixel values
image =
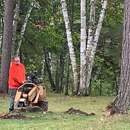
(74, 111)
(12, 115)
(29, 109)
(109, 106)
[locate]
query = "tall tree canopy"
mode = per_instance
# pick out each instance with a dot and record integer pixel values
(43, 43)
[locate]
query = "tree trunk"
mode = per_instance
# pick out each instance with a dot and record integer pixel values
(24, 25)
(91, 27)
(43, 66)
(82, 48)
(6, 48)
(15, 23)
(1, 26)
(67, 77)
(48, 67)
(70, 45)
(1, 37)
(90, 52)
(122, 101)
(102, 68)
(59, 74)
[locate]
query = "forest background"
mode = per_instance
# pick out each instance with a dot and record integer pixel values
(40, 40)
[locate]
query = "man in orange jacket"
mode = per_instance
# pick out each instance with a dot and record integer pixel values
(16, 79)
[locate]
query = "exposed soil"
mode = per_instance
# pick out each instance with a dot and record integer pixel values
(29, 109)
(17, 115)
(12, 115)
(74, 111)
(113, 109)
(109, 106)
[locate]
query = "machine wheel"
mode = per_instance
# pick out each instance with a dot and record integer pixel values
(43, 104)
(21, 104)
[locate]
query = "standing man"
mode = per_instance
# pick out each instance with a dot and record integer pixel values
(16, 79)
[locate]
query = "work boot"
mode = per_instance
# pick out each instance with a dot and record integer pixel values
(10, 110)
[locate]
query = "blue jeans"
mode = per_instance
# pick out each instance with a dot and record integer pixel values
(12, 96)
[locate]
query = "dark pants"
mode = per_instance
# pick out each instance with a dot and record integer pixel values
(12, 96)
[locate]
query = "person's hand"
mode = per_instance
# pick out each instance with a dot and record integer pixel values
(23, 82)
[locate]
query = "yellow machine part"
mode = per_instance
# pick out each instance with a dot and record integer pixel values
(42, 94)
(18, 96)
(37, 93)
(32, 94)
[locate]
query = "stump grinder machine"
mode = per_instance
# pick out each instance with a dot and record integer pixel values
(31, 93)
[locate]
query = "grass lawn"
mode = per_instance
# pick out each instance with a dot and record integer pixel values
(58, 120)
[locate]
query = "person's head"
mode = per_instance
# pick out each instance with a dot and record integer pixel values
(17, 60)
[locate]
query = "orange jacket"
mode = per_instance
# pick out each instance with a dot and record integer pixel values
(16, 75)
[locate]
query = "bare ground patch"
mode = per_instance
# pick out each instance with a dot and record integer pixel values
(12, 115)
(75, 111)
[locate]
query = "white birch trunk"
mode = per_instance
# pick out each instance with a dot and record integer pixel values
(99, 26)
(43, 66)
(91, 26)
(24, 25)
(15, 23)
(90, 54)
(82, 47)
(50, 59)
(1, 33)
(70, 45)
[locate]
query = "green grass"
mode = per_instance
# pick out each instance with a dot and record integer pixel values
(58, 120)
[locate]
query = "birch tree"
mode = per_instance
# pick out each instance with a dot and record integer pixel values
(91, 29)
(24, 25)
(92, 44)
(83, 47)
(1, 37)
(15, 23)
(70, 45)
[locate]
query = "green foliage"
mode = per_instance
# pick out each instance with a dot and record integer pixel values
(46, 31)
(106, 68)
(1, 9)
